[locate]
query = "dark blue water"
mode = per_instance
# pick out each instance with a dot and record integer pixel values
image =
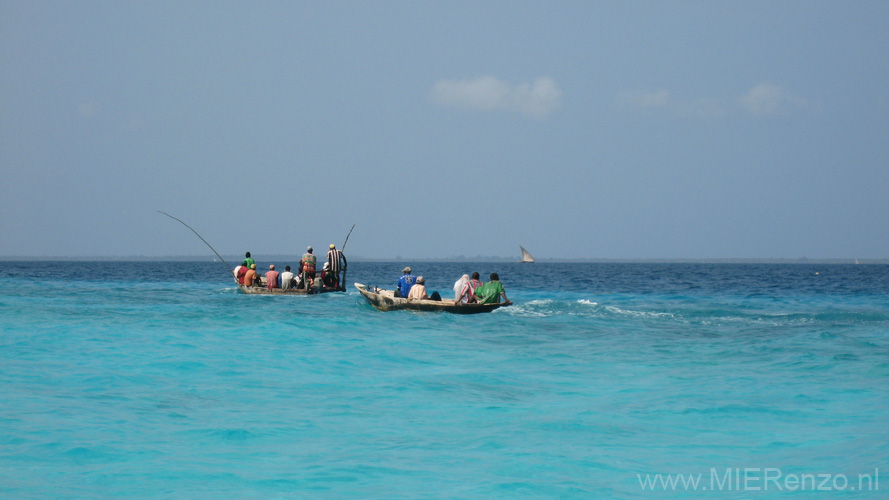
(160, 380)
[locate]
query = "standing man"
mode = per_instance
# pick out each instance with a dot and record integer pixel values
(248, 261)
(405, 283)
(307, 268)
(337, 262)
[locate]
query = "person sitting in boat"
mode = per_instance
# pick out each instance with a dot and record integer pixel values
(418, 291)
(490, 292)
(241, 271)
(250, 276)
(464, 292)
(405, 283)
(287, 278)
(271, 277)
(328, 277)
(475, 282)
(307, 268)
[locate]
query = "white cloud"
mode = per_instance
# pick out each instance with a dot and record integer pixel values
(487, 93)
(766, 99)
(661, 99)
(645, 99)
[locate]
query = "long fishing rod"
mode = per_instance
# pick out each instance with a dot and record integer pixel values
(230, 270)
(343, 284)
(347, 237)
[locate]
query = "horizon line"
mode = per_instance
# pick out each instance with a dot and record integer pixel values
(477, 258)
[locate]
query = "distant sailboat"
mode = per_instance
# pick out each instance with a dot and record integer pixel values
(526, 257)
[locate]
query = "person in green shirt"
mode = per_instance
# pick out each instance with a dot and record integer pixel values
(248, 261)
(490, 292)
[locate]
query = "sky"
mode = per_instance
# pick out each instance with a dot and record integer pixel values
(577, 129)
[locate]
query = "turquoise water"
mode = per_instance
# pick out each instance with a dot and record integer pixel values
(159, 380)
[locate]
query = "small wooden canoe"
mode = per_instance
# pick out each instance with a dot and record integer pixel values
(385, 300)
(263, 290)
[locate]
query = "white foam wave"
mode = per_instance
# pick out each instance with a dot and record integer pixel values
(540, 302)
(544, 308)
(640, 314)
(531, 309)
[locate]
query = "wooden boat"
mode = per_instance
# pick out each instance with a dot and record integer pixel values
(261, 289)
(526, 257)
(385, 300)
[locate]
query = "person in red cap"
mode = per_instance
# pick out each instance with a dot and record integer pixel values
(271, 277)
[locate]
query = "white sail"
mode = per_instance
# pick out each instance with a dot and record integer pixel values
(526, 257)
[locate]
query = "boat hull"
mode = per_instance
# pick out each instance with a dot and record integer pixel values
(261, 290)
(385, 300)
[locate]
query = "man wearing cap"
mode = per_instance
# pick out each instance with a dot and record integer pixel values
(405, 283)
(307, 268)
(418, 291)
(250, 276)
(337, 262)
(271, 277)
(327, 278)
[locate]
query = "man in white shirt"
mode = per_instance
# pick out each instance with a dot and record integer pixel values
(287, 278)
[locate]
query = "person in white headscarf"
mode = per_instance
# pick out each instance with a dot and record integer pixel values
(463, 290)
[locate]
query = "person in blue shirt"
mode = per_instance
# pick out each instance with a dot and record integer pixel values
(405, 283)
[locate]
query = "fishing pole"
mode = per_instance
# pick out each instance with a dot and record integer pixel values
(343, 284)
(230, 270)
(347, 237)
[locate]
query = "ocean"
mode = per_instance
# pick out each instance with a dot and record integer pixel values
(158, 380)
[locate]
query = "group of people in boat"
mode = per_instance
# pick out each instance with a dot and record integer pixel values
(466, 290)
(306, 276)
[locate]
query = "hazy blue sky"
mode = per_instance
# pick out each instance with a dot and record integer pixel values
(578, 129)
